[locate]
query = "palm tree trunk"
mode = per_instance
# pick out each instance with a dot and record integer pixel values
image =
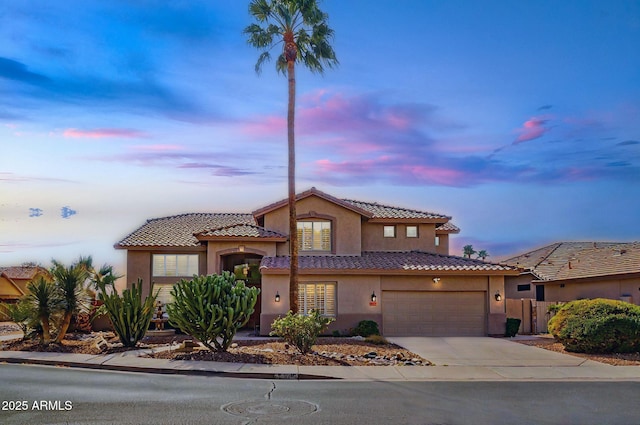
(293, 225)
(46, 333)
(64, 326)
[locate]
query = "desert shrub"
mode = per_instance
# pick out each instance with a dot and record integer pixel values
(299, 330)
(376, 339)
(366, 328)
(597, 326)
(512, 327)
(212, 308)
(22, 314)
(129, 315)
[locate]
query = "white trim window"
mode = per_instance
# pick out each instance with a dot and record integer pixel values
(389, 231)
(412, 231)
(314, 235)
(183, 265)
(317, 296)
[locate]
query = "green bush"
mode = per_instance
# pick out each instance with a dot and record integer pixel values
(512, 327)
(597, 326)
(129, 315)
(212, 308)
(366, 328)
(300, 331)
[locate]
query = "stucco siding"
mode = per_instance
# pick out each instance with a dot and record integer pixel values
(373, 238)
(346, 224)
(606, 288)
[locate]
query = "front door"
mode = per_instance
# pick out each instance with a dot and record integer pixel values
(246, 266)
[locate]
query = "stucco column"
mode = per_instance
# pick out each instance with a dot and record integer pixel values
(497, 308)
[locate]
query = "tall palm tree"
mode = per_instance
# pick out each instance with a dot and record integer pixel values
(45, 301)
(71, 282)
(301, 27)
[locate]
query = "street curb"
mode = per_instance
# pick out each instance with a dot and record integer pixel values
(169, 371)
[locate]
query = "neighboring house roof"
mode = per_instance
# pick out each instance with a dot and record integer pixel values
(549, 262)
(383, 261)
(241, 231)
(307, 193)
(21, 272)
(610, 260)
(180, 230)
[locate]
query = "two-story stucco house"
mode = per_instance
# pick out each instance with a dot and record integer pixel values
(358, 260)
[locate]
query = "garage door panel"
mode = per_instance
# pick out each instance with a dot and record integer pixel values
(414, 313)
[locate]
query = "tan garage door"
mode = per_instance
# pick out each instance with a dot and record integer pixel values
(411, 313)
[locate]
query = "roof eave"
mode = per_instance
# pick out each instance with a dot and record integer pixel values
(311, 192)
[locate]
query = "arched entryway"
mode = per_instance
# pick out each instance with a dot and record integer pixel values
(246, 266)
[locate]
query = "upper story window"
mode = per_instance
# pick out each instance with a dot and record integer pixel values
(314, 235)
(412, 231)
(389, 231)
(184, 265)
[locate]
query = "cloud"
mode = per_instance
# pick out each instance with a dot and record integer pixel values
(142, 92)
(17, 71)
(18, 178)
(629, 143)
(532, 129)
(99, 133)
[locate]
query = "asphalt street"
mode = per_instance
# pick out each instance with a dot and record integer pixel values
(50, 395)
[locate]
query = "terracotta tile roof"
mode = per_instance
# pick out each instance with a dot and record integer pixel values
(606, 261)
(21, 272)
(179, 230)
(385, 261)
(241, 231)
(389, 212)
(311, 192)
(547, 262)
(447, 228)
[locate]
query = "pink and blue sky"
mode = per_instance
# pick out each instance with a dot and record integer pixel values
(519, 119)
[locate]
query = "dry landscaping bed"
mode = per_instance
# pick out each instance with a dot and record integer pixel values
(619, 359)
(327, 351)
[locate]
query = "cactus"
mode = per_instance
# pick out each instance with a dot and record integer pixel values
(129, 315)
(212, 308)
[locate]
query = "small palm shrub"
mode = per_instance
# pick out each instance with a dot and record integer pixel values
(129, 315)
(597, 326)
(21, 313)
(366, 328)
(212, 308)
(299, 330)
(46, 304)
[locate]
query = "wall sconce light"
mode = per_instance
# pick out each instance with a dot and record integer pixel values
(373, 297)
(497, 296)
(277, 296)
(436, 280)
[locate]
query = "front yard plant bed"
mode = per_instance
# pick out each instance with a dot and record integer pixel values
(326, 352)
(615, 359)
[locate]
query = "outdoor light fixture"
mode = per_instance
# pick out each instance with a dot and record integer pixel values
(498, 296)
(436, 280)
(373, 297)
(277, 296)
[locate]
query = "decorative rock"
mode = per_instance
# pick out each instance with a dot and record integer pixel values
(101, 344)
(234, 345)
(371, 355)
(358, 338)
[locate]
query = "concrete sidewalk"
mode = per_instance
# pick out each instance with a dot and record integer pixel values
(132, 362)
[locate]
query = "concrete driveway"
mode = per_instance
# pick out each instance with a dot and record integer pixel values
(483, 351)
